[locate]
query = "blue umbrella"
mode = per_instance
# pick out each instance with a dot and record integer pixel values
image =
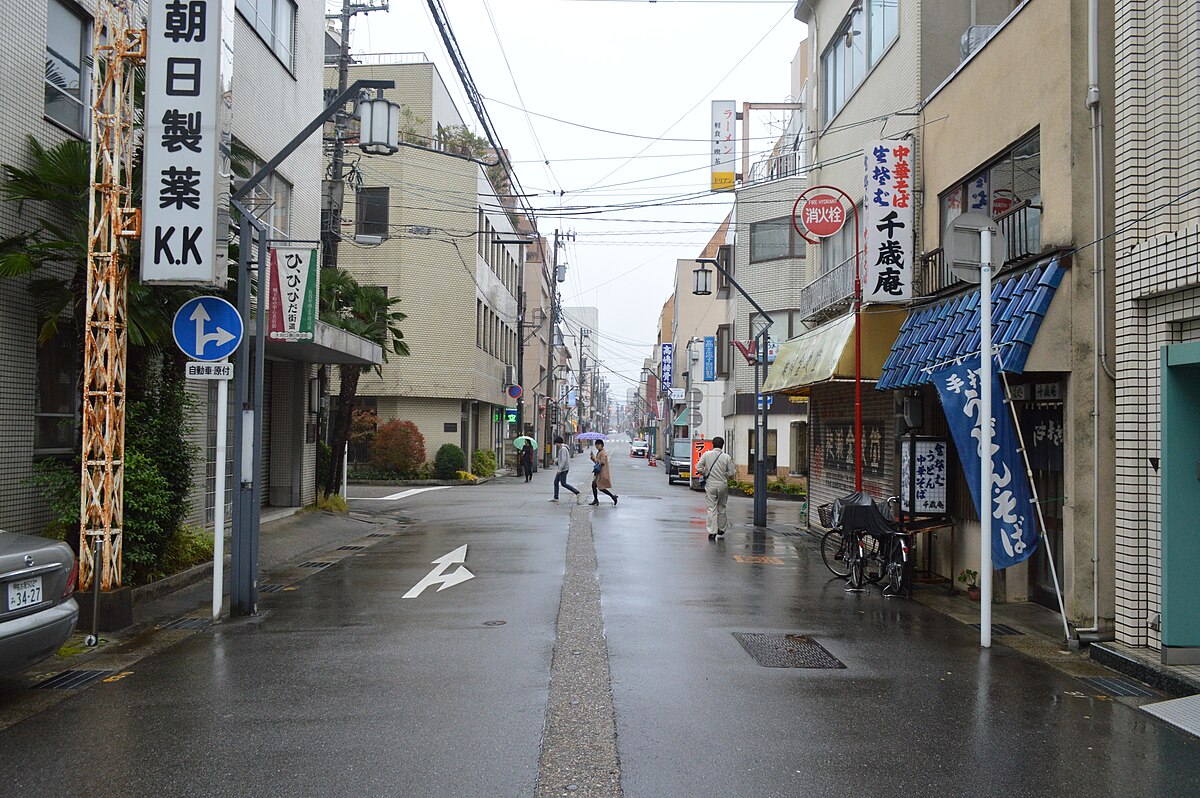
(591, 436)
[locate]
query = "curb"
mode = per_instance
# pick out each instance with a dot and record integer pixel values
(1174, 684)
(418, 483)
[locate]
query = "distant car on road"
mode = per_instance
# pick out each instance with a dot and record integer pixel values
(37, 606)
(679, 464)
(639, 449)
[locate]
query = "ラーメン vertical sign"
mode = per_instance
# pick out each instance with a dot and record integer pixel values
(292, 278)
(186, 182)
(724, 153)
(888, 271)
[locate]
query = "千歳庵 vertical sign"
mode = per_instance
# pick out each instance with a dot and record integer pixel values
(724, 153)
(292, 278)
(888, 270)
(668, 366)
(187, 123)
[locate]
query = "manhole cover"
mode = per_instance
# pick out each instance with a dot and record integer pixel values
(71, 680)
(786, 651)
(187, 623)
(1002, 629)
(351, 548)
(315, 564)
(1115, 686)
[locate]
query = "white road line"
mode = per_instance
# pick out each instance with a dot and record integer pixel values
(401, 495)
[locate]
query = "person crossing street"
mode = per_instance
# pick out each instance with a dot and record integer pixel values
(716, 466)
(562, 460)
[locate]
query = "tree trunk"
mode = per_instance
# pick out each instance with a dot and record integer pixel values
(342, 420)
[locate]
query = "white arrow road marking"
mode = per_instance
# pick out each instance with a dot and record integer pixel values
(401, 495)
(221, 336)
(438, 575)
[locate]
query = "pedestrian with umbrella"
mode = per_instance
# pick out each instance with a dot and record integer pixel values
(525, 446)
(602, 477)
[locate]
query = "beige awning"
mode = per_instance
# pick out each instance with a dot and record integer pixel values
(826, 353)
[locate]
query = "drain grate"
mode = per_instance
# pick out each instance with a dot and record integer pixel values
(351, 548)
(1116, 686)
(187, 623)
(269, 588)
(786, 651)
(72, 680)
(315, 564)
(379, 535)
(1002, 629)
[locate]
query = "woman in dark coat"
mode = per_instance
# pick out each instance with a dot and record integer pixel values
(527, 460)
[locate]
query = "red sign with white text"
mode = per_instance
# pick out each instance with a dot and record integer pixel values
(823, 215)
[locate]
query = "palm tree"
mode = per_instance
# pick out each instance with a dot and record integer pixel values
(368, 312)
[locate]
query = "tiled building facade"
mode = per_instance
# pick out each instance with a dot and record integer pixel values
(1157, 224)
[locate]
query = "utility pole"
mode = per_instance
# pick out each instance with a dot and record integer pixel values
(334, 188)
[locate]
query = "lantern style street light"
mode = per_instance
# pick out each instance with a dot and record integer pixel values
(379, 124)
(702, 286)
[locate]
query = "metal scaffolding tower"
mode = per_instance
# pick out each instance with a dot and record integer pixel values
(119, 45)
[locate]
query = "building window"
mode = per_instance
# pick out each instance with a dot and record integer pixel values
(67, 56)
(275, 23)
(725, 258)
(371, 212)
(270, 200)
(724, 335)
(859, 43)
(1011, 181)
(56, 422)
(839, 247)
(775, 239)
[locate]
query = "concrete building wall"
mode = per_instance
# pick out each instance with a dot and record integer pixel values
(978, 117)
(1157, 131)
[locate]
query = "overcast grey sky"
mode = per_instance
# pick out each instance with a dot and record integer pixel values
(646, 72)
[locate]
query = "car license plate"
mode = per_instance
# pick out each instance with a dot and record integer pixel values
(25, 593)
(685, 474)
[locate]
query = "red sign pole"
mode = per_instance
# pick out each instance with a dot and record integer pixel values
(828, 227)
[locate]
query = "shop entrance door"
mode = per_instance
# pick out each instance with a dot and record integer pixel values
(1180, 473)
(1042, 430)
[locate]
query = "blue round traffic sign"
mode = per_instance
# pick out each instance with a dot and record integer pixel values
(515, 391)
(207, 328)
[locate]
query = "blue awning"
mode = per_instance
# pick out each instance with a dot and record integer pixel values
(940, 333)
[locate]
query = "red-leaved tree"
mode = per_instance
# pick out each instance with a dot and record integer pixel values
(399, 446)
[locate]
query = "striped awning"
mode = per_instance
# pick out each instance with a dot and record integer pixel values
(940, 333)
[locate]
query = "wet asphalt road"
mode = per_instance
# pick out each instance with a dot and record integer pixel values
(343, 687)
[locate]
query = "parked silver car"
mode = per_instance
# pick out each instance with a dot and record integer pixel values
(37, 605)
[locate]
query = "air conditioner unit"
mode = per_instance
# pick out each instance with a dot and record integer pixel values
(510, 375)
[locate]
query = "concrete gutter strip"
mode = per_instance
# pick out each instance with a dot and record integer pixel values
(579, 742)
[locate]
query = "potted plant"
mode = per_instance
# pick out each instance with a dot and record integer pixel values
(970, 578)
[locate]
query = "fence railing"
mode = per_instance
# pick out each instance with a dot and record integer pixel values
(828, 291)
(1022, 229)
(789, 164)
(380, 59)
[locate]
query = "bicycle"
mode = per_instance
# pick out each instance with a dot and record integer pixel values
(870, 553)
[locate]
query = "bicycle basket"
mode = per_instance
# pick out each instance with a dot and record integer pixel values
(825, 512)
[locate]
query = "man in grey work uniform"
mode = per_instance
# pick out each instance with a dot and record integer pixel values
(716, 467)
(563, 461)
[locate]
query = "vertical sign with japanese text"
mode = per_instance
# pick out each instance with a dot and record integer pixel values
(668, 366)
(928, 469)
(185, 163)
(888, 274)
(710, 358)
(1008, 498)
(292, 278)
(724, 153)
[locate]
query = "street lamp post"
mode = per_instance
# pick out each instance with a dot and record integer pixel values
(382, 137)
(702, 286)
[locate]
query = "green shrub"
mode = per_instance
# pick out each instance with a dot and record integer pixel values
(425, 471)
(324, 458)
(449, 461)
(399, 446)
(484, 463)
(186, 548)
(148, 510)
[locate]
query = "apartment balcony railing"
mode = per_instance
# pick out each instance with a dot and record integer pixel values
(830, 292)
(380, 59)
(789, 164)
(1022, 229)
